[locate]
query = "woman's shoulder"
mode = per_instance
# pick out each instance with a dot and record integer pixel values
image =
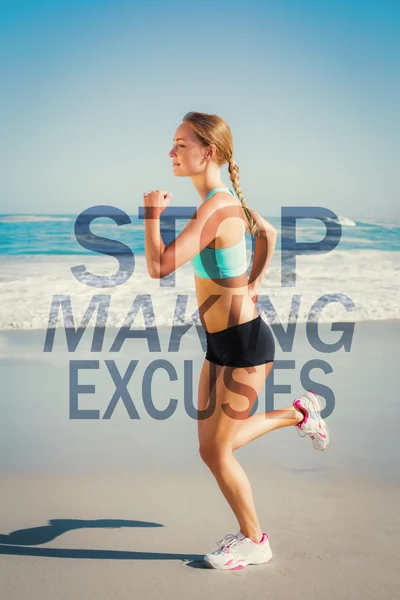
(232, 207)
(228, 206)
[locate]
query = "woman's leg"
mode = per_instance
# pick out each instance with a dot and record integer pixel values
(258, 424)
(236, 390)
(208, 376)
(254, 426)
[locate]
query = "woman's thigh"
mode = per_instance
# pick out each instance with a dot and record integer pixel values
(208, 376)
(236, 390)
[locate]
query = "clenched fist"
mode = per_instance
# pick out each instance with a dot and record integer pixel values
(157, 199)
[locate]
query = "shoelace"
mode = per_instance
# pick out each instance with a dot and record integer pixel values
(303, 433)
(228, 542)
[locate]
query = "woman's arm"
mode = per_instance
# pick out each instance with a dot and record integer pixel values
(264, 249)
(198, 233)
(154, 245)
(263, 252)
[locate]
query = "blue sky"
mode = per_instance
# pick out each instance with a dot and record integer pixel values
(92, 92)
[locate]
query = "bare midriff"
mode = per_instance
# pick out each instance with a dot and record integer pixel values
(224, 304)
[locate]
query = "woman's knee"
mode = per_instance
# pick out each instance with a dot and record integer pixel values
(213, 454)
(205, 453)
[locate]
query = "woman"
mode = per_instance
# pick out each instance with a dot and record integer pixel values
(237, 338)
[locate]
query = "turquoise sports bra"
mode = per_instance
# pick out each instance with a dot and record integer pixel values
(221, 263)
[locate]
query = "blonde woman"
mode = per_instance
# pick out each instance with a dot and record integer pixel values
(238, 339)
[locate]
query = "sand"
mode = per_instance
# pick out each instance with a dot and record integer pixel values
(124, 507)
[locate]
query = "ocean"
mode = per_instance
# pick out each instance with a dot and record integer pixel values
(359, 279)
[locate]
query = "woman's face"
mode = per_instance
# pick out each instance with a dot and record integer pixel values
(188, 154)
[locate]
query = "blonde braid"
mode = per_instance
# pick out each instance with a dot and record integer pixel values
(234, 177)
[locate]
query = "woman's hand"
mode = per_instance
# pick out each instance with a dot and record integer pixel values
(158, 199)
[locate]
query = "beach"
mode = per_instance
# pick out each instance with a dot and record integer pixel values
(126, 158)
(124, 507)
(104, 493)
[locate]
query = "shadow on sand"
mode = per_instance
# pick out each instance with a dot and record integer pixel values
(20, 542)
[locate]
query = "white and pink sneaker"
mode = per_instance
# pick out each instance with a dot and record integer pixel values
(237, 551)
(312, 424)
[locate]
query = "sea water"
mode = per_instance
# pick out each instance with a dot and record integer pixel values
(360, 276)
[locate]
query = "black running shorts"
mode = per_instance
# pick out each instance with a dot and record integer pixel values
(244, 345)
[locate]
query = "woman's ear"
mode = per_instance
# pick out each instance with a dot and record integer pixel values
(211, 152)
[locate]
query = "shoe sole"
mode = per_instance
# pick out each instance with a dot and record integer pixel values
(316, 401)
(242, 565)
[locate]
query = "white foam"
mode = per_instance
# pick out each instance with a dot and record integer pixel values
(370, 278)
(345, 221)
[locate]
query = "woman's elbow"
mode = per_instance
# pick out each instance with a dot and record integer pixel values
(274, 233)
(160, 271)
(268, 231)
(154, 272)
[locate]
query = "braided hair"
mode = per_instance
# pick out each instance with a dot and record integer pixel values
(213, 129)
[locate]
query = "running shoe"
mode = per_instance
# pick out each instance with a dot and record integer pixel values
(237, 551)
(312, 424)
